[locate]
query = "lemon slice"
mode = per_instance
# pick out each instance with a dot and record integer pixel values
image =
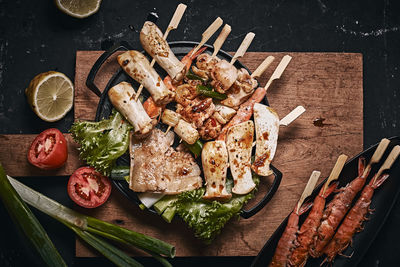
(50, 95)
(78, 8)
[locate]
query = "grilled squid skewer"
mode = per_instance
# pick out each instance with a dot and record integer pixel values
(136, 65)
(214, 157)
(120, 96)
(267, 127)
(239, 143)
(157, 47)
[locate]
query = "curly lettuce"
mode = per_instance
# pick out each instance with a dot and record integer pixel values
(207, 218)
(102, 143)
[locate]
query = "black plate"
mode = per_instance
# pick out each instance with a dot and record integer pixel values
(105, 107)
(382, 201)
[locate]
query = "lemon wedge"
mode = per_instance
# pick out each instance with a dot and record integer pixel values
(50, 95)
(78, 8)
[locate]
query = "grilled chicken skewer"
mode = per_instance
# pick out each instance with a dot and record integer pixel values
(217, 46)
(239, 144)
(173, 25)
(133, 111)
(138, 67)
(214, 157)
(224, 74)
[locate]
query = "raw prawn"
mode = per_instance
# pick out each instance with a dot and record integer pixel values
(287, 242)
(308, 229)
(336, 210)
(149, 105)
(353, 221)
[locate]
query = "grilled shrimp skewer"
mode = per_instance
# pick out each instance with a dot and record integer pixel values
(173, 24)
(338, 207)
(308, 229)
(287, 242)
(357, 215)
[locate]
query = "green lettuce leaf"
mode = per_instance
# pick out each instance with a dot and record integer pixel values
(207, 218)
(102, 143)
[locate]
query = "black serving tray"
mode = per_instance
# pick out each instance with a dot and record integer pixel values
(180, 49)
(382, 201)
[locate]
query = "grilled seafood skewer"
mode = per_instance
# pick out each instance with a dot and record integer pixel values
(245, 110)
(173, 24)
(338, 207)
(133, 111)
(287, 241)
(308, 229)
(352, 223)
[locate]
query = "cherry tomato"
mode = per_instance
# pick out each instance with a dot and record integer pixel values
(88, 188)
(48, 150)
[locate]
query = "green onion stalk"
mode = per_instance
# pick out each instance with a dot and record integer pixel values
(26, 221)
(80, 222)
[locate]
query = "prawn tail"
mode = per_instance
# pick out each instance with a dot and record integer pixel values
(379, 181)
(361, 166)
(305, 207)
(195, 55)
(332, 188)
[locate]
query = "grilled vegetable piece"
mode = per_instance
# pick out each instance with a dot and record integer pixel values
(101, 143)
(171, 118)
(214, 158)
(157, 167)
(208, 92)
(136, 65)
(186, 131)
(267, 127)
(27, 223)
(224, 75)
(223, 113)
(157, 47)
(239, 142)
(121, 97)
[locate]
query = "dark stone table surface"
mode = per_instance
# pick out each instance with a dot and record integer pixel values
(36, 37)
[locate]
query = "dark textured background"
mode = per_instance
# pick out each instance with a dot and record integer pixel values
(36, 37)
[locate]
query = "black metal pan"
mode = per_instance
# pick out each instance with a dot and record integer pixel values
(105, 107)
(382, 201)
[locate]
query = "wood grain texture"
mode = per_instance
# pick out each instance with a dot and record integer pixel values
(328, 85)
(15, 162)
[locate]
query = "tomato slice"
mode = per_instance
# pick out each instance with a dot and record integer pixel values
(48, 150)
(88, 188)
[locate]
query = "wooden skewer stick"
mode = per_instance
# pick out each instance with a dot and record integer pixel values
(278, 71)
(262, 67)
(220, 39)
(169, 128)
(376, 157)
(173, 25)
(337, 169)
(243, 47)
(208, 33)
(294, 114)
(388, 162)
(309, 188)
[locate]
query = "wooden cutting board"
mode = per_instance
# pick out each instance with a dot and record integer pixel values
(328, 85)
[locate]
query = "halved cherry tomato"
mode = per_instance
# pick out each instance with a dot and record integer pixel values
(48, 150)
(88, 188)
